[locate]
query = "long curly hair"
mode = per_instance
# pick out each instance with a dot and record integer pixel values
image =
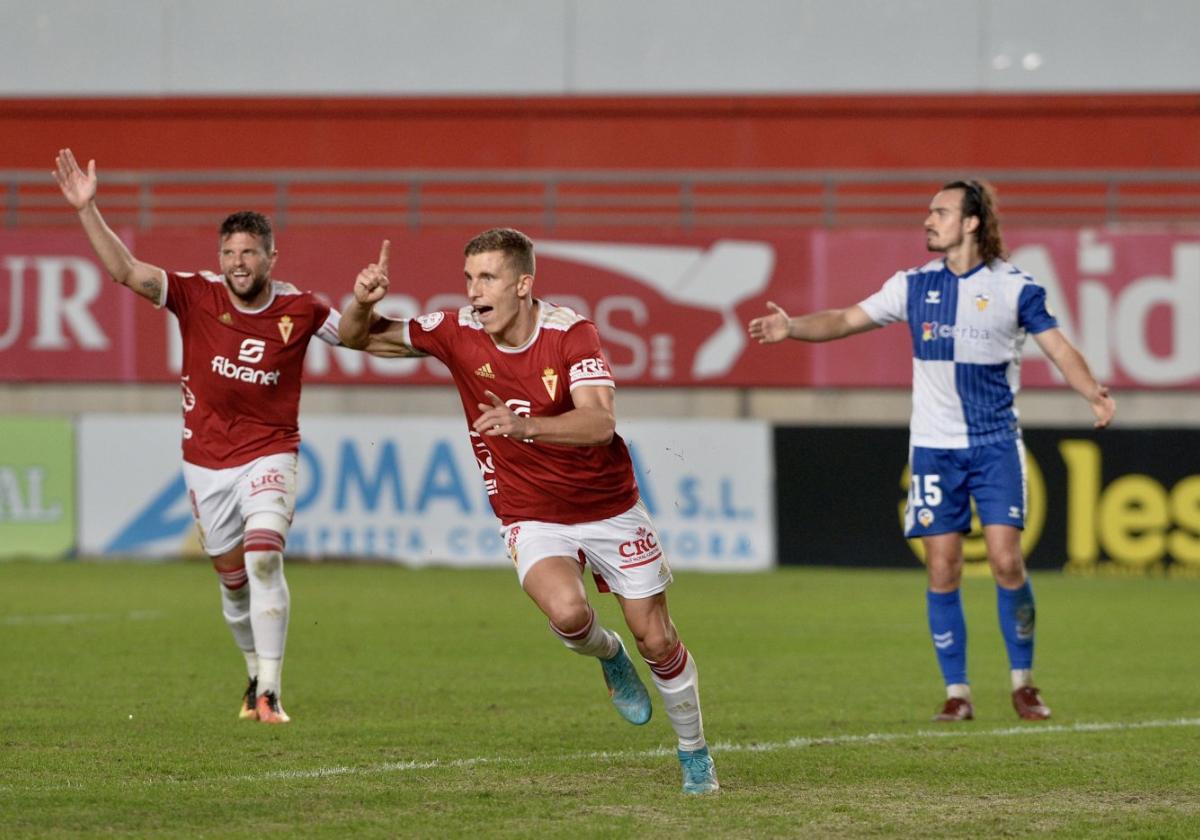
(979, 200)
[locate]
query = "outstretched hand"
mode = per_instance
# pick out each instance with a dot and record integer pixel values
(78, 187)
(771, 328)
(498, 419)
(372, 282)
(1104, 407)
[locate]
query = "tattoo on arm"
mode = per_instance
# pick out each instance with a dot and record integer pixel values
(152, 288)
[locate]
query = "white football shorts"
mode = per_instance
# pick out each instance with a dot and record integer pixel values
(623, 551)
(222, 499)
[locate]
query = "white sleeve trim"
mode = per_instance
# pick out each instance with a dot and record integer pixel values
(162, 296)
(600, 383)
(328, 331)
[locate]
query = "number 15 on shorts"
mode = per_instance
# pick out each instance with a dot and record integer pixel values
(925, 491)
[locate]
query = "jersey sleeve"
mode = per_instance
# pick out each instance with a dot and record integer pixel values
(180, 289)
(432, 333)
(890, 303)
(327, 319)
(1032, 313)
(586, 364)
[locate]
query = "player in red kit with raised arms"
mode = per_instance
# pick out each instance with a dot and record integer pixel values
(538, 397)
(244, 340)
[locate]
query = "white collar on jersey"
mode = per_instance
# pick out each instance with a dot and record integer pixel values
(257, 309)
(527, 343)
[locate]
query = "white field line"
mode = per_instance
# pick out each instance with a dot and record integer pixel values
(718, 748)
(79, 618)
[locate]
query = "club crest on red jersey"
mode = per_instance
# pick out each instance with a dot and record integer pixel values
(285, 328)
(550, 380)
(226, 318)
(429, 322)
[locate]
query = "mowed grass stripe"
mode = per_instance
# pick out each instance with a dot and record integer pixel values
(436, 703)
(616, 756)
(81, 618)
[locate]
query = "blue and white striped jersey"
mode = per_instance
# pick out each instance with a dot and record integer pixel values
(967, 334)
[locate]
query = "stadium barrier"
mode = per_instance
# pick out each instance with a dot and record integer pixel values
(403, 490)
(725, 495)
(1121, 501)
(556, 199)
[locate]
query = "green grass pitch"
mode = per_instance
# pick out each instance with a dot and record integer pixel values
(436, 703)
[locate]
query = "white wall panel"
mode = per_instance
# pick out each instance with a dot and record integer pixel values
(70, 47)
(1081, 44)
(775, 46)
(366, 46)
(415, 47)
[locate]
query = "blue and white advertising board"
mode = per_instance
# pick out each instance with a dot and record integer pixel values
(407, 489)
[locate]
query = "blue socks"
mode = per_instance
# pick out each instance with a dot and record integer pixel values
(1016, 611)
(949, 630)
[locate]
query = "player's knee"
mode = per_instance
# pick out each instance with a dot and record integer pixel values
(230, 562)
(263, 547)
(234, 580)
(1010, 575)
(945, 572)
(568, 615)
(1008, 567)
(656, 643)
(264, 568)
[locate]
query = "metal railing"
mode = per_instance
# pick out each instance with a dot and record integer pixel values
(552, 199)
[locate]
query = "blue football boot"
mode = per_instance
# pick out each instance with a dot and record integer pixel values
(625, 688)
(699, 774)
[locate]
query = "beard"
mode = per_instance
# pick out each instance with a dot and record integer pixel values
(934, 246)
(258, 283)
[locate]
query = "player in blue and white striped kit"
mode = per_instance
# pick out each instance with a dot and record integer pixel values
(968, 314)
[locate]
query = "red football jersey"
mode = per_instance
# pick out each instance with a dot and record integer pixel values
(241, 370)
(528, 479)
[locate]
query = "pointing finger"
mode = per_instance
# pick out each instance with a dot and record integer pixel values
(383, 255)
(496, 401)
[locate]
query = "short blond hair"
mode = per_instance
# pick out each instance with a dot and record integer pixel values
(516, 247)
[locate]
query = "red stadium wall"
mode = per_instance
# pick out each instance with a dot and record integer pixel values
(1000, 131)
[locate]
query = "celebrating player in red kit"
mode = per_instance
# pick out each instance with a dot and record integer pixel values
(538, 397)
(244, 340)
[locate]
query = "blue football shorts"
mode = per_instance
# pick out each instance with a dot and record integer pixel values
(943, 482)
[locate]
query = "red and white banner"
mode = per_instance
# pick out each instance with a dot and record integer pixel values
(671, 309)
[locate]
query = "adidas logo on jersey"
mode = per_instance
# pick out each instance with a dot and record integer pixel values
(485, 371)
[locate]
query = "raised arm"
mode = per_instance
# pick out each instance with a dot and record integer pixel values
(79, 189)
(1075, 370)
(361, 327)
(592, 422)
(827, 325)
